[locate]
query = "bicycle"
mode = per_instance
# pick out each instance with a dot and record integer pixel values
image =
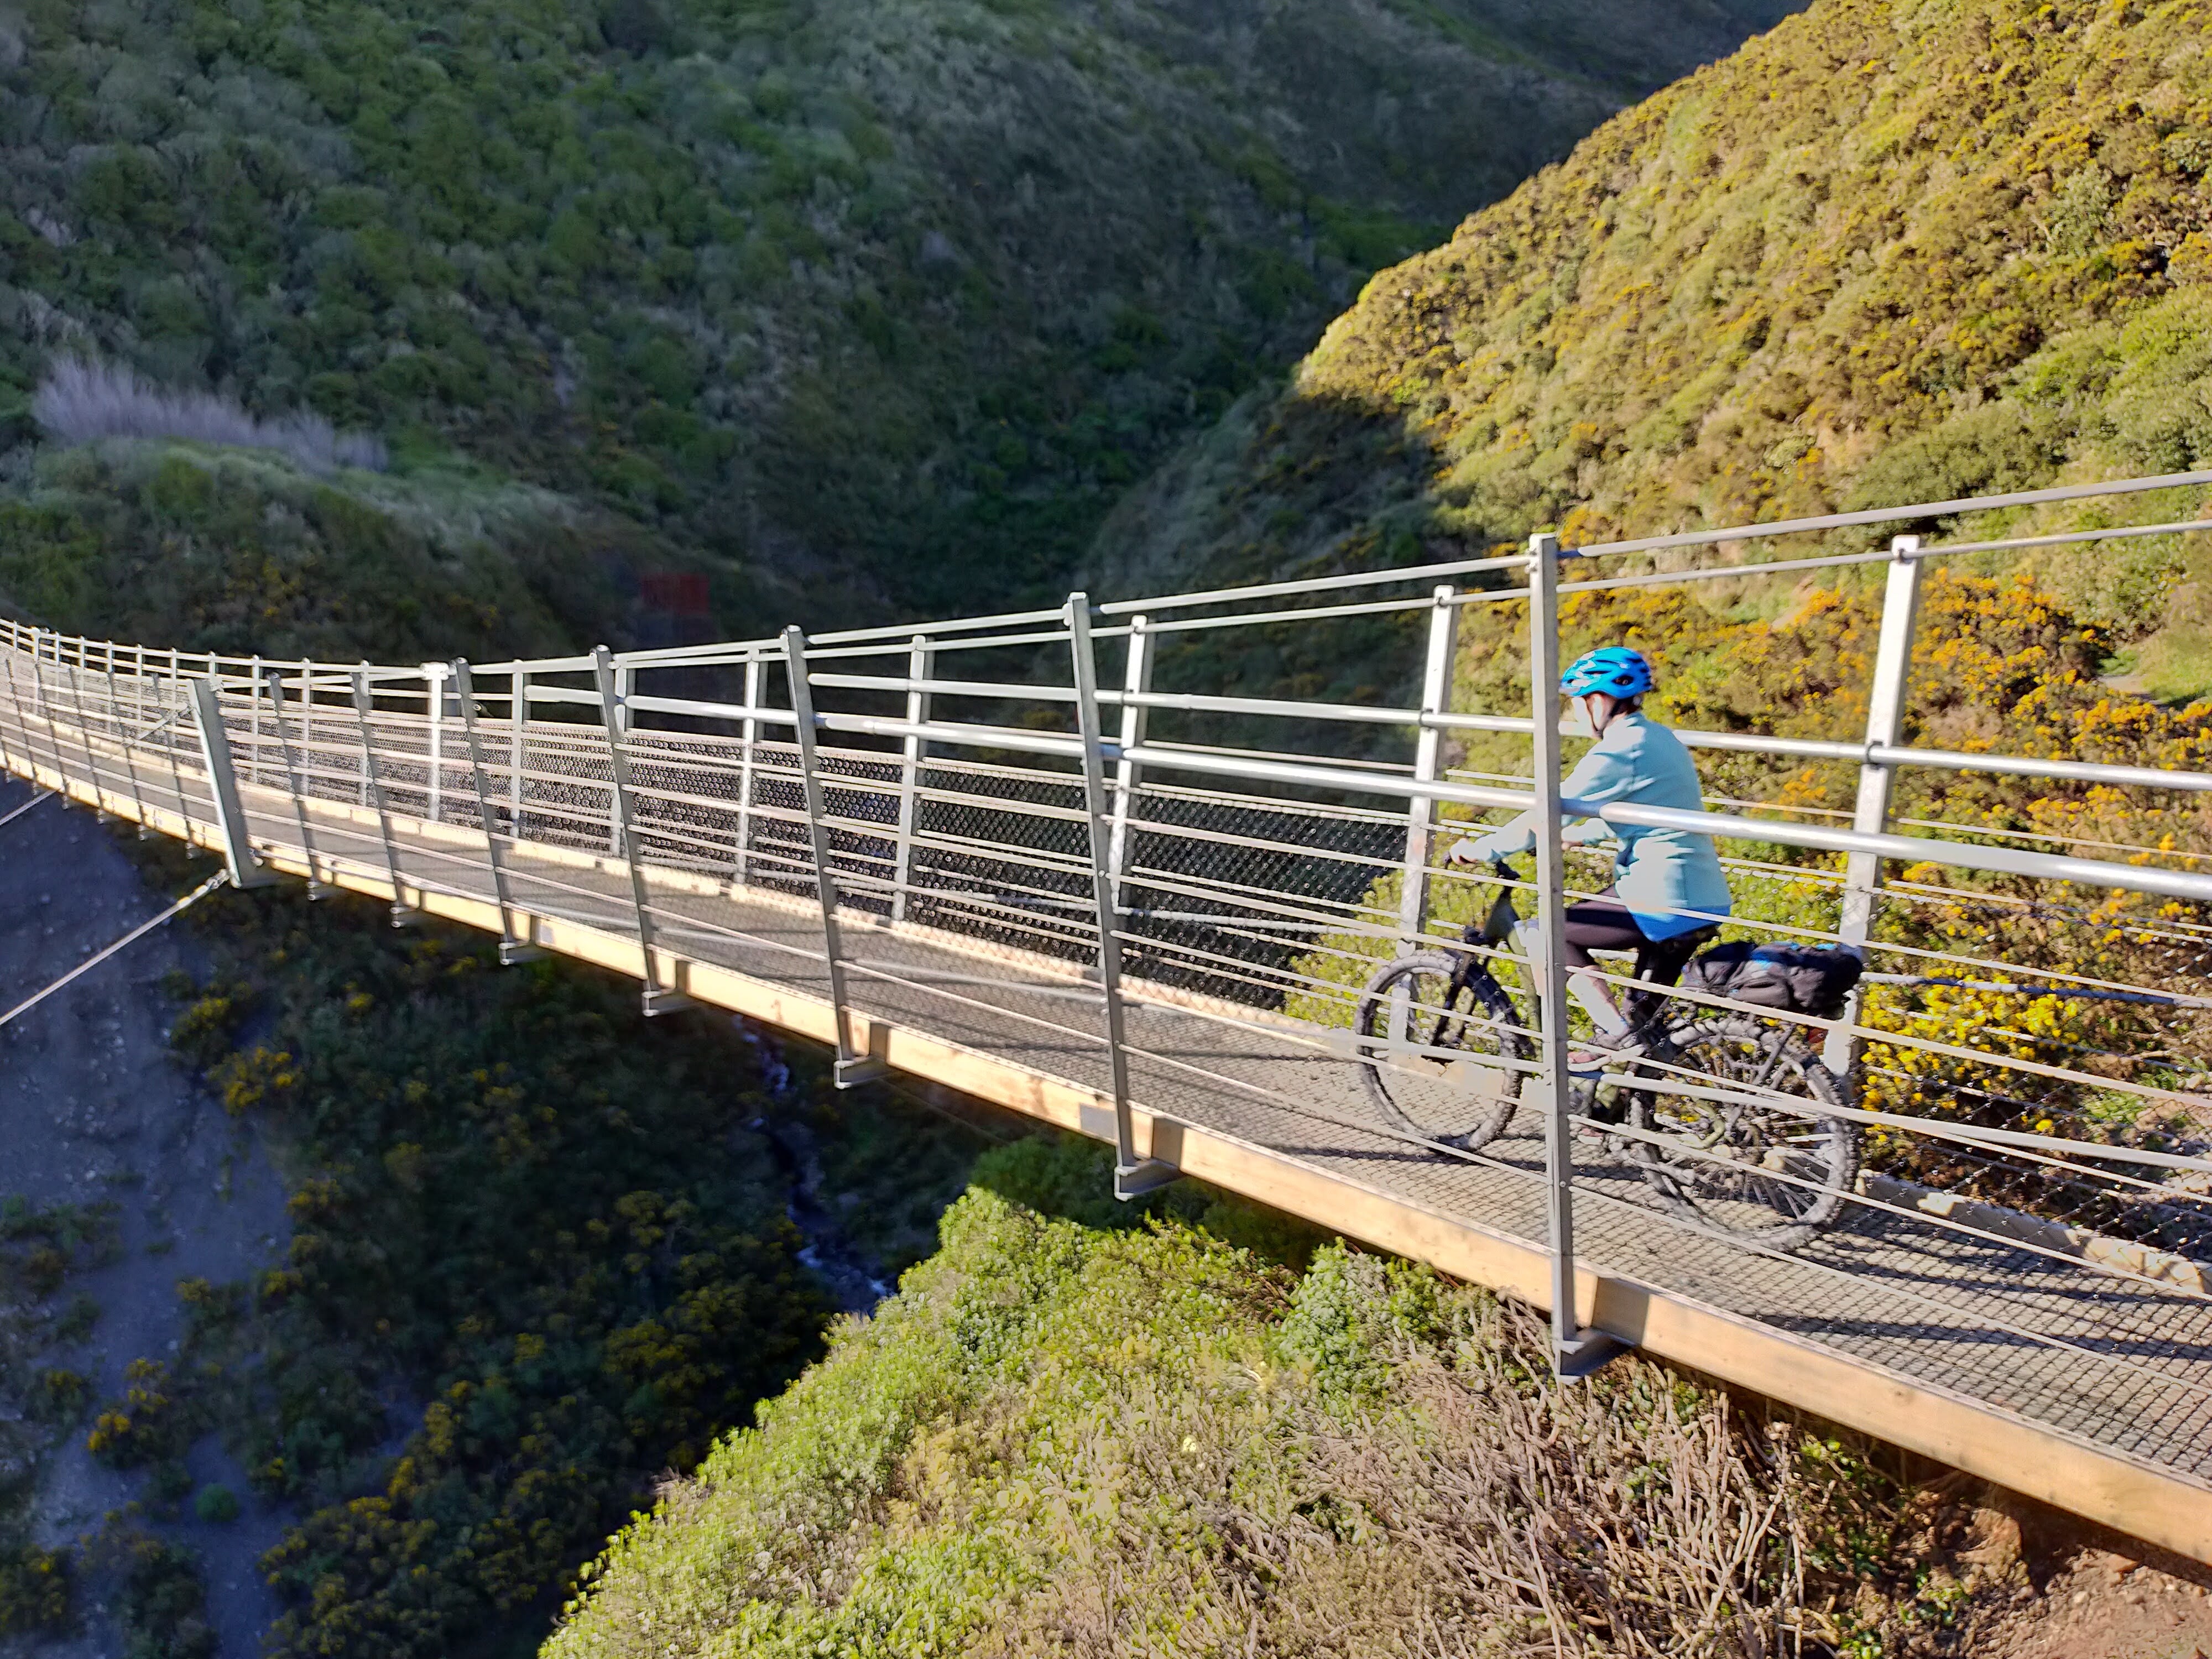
(1446, 1049)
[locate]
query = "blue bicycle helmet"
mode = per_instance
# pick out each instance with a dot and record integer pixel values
(1615, 670)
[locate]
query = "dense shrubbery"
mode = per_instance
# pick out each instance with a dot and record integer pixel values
(1890, 252)
(40, 1246)
(554, 1230)
(912, 291)
(1062, 1440)
(518, 1200)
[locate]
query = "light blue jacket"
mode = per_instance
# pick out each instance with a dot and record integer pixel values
(1658, 873)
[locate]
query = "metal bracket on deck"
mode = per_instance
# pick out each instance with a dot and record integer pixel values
(1136, 1180)
(659, 1000)
(246, 870)
(863, 1068)
(1587, 1351)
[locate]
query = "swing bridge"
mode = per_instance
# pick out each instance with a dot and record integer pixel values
(989, 853)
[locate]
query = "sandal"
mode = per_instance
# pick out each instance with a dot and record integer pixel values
(1599, 1053)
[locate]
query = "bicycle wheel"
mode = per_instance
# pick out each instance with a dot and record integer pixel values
(1462, 1099)
(1775, 1173)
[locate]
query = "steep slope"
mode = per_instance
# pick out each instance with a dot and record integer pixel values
(1894, 249)
(891, 297)
(1057, 1441)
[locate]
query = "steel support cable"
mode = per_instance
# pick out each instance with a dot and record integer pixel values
(138, 933)
(2199, 936)
(1941, 1222)
(1194, 959)
(40, 798)
(2003, 860)
(1964, 828)
(1258, 844)
(2108, 990)
(1641, 1210)
(1934, 550)
(1270, 904)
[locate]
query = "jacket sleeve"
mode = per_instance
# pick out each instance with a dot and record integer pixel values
(1600, 776)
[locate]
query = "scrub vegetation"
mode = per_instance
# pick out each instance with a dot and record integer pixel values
(540, 1258)
(1893, 250)
(41, 1397)
(836, 296)
(1062, 1440)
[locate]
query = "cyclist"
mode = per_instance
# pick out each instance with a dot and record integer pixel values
(1667, 886)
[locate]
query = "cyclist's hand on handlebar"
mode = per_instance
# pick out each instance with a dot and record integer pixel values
(1478, 849)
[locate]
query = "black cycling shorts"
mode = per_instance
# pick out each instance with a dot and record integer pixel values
(1604, 924)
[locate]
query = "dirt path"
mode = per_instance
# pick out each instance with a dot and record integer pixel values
(92, 1106)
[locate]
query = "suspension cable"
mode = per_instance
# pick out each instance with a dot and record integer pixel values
(136, 933)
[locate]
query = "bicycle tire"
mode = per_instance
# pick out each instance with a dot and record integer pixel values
(1737, 1193)
(1462, 1105)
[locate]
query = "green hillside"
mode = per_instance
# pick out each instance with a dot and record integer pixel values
(1895, 249)
(1057, 1440)
(827, 297)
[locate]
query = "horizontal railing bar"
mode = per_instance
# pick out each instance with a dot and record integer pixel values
(947, 688)
(2170, 884)
(1426, 573)
(1894, 515)
(719, 711)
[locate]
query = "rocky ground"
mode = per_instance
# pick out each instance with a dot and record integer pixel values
(94, 1108)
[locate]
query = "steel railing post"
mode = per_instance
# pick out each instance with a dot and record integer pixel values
(1128, 776)
(316, 888)
(253, 726)
(513, 946)
(372, 784)
(519, 715)
(854, 1066)
(1885, 728)
(659, 998)
(1132, 1177)
(1428, 762)
(613, 698)
(749, 750)
(53, 732)
(177, 696)
(307, 721)
(126, 740)
(434, 695)
(1575, 1351)
(245, 871)
(914, 751)
(75, 683)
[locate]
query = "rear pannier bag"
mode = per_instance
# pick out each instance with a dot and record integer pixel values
(1804, 979)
